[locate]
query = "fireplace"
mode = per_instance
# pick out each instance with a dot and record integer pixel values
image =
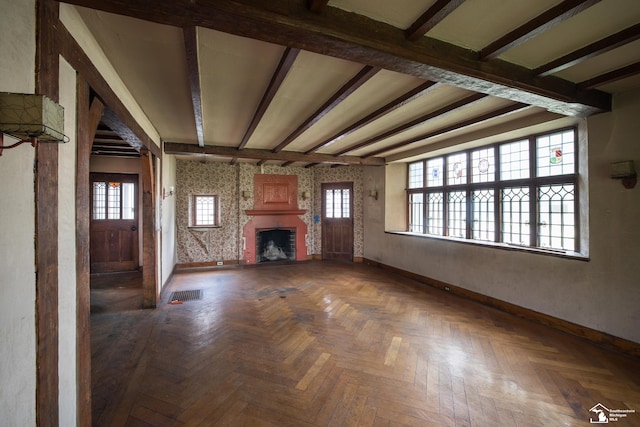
(275, 218)
(275, 245)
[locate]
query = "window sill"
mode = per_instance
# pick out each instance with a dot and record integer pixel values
(203, 227)
(501, 246)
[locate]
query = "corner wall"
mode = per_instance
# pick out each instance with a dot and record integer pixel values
(601, 294)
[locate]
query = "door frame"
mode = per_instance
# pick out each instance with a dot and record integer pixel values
(337, 185)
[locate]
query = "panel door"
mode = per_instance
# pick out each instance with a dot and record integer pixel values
(114, 223)
(337, 221)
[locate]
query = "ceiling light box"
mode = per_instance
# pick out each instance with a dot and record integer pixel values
(28, 116)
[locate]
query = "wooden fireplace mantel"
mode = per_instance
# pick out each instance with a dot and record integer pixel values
(257, 212)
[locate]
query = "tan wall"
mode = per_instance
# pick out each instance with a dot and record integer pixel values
(602, 294)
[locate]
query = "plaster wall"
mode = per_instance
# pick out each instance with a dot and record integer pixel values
(168, 218)
(601, 294)
(67, 251)
(17, 227)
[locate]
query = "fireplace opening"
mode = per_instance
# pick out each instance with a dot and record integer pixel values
(275, 245)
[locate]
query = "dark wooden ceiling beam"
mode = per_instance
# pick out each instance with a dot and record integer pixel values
(261, 162)
(285, 64)
(416, 122)
(360, 39)
(413, 94)
(604, 45)
(470, 122)
(317, 6)
(432, 17)
(347, 89)
(535, 27)
(250, 153)
(190, 35)
(612, 76)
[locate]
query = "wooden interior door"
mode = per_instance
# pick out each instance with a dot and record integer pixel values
(337, 221)
(114, 222)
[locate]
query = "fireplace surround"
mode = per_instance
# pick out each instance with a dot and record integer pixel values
(275, 208)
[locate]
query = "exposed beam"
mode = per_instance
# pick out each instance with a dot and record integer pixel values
(535, 27)
(250, 153)
(286, 62)
(79, 60)
(432, 17)
(347, 89)
(317, 6)
(465, 139)
(594, 49)
(110, 119)
(416, 122)
(288, 163)
(261, 162)
(360, 39)
(386, 109)
(190, 35)
(612, 76)
(469, 122)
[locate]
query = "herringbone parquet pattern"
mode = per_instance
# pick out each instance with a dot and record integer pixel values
(324, 344)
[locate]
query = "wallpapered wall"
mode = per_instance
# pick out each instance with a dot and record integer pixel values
(225, 243)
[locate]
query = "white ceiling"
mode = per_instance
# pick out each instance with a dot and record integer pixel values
(235, 71)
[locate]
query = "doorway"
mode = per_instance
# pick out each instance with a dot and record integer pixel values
(337, 221)
(114, 223)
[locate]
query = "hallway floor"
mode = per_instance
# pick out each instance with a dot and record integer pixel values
(331, 344)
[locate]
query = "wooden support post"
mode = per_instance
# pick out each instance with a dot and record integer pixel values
(149, 244)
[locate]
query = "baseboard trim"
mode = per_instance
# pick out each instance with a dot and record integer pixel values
(599, 338)
(208, 264)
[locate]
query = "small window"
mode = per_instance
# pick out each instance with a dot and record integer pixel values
(204, 211)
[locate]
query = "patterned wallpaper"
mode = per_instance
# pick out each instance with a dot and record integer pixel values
(229, 182)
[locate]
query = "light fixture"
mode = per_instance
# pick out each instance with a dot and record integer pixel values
(30, 118)
(305, 195)
(625, 171)
(373, 194)
(245, 195)
(166, 193)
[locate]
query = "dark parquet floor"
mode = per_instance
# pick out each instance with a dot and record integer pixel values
(331, 344)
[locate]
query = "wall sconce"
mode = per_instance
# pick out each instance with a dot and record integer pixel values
(166, 193)
(373, 194)
(305, 195)
(626, 172)
(245, 195)
(30, 118)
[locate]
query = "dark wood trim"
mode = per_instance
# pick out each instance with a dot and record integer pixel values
(73, 53)
(597, 337)
(535, 27)
(191, 49)
(413, 94)
(250, 153)
(149, 242)
(360, 39)
(286, 62)
(317, 6)
(347, 89)
(88, 120)
(604, 45)
(612, 76)
(464, 102)
(46, 239)
(432, 17)
(475, 120)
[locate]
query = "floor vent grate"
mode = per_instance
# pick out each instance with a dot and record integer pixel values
(181, 296)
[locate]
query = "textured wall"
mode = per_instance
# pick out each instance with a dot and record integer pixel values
(229, 182)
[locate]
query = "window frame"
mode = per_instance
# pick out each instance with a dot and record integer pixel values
(193, 211)
(533, 183)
